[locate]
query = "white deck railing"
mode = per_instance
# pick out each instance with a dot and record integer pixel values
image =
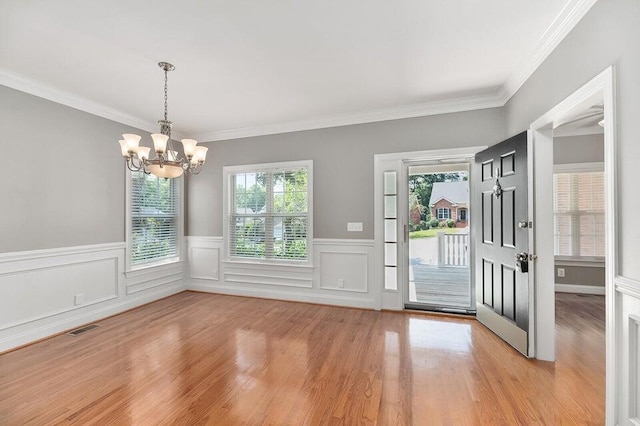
(453, 249)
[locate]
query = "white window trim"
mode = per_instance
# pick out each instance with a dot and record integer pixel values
(443, 209)
(579, 168)
(130, 270)
(227, 171)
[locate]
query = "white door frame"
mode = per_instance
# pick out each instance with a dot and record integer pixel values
(394, 299)
(541, 138)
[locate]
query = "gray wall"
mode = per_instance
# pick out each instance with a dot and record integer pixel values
(578, 149)
(63, 177)
(581, 275)
(607, 35)
(342, 165)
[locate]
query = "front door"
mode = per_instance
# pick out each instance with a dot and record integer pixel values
(502, 241)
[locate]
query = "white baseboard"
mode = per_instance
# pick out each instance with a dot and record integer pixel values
(95, 315)
(340, 273)
(579, 289)
(291, 296)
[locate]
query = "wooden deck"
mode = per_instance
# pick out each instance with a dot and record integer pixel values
(441, 286)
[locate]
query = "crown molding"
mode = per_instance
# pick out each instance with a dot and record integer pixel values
(41, 90)
(567, 19)
(491, 100)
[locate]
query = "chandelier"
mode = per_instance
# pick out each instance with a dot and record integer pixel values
(167, 162)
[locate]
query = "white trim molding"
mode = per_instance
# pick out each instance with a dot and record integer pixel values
(599, 89)
(45, 91)
(492, 97)
(44, 292)
(340, 275)
(569, 16)
(579, 289)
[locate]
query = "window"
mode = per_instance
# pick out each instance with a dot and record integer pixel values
(390, 231)
(269, 211)
(443, 213)
(154, 205)
(462, 214)
(579, 214)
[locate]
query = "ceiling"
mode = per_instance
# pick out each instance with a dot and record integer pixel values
(583, 121)
(246, 68)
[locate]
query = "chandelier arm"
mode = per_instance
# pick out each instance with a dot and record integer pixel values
(131, 165)
(195, 170)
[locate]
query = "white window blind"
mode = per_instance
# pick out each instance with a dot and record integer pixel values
(269, 214)
(154, 218)
(579, 214)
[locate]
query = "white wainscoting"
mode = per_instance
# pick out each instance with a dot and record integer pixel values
(627, 293)
(341, 273)
(44, 292)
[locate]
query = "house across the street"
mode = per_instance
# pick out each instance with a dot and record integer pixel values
(450, 200)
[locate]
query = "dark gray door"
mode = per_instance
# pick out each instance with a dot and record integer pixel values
(502, 282)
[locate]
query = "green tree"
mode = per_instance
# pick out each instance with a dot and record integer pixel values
(422, 184)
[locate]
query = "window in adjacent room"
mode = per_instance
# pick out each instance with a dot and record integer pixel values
(579, 223)
(269, 211)
(154, 206)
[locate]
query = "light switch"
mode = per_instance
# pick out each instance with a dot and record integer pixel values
(560, 272)
(354, 227)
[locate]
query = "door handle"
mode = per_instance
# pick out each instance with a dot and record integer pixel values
(522, 262)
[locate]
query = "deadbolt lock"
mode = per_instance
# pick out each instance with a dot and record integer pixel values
(522, 262)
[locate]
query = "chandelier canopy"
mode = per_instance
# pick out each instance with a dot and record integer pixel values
(167, 163)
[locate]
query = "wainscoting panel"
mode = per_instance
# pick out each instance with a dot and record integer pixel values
(340, 273)
(628, 347)
(45, 292)
(343, 271)
(146, 279)
(204, 258)
(42, 292)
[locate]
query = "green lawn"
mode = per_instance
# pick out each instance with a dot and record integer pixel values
(429, 233)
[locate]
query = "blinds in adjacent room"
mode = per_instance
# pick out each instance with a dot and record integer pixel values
(579, 223)
(154, 218)
(269, 213)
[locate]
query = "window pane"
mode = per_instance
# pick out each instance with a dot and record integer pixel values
(390, 183)
(290, 238)
(390, 230)
(391, 278)
(272, 222)
(154, 218)
(390, 254)
(579, 214)
(390, 206)
(248, 237)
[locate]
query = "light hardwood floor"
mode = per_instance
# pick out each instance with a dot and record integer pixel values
(209, 359)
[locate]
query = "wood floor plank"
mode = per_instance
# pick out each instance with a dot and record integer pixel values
(210, 359)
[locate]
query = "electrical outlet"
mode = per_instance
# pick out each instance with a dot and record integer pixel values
(561, 272)
(78, 299)
(340, 283)
(354, 227)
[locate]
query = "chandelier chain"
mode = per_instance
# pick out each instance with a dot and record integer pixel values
(165, 94)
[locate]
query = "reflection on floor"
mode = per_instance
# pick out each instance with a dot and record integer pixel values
(198, 358)
(443, 286)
